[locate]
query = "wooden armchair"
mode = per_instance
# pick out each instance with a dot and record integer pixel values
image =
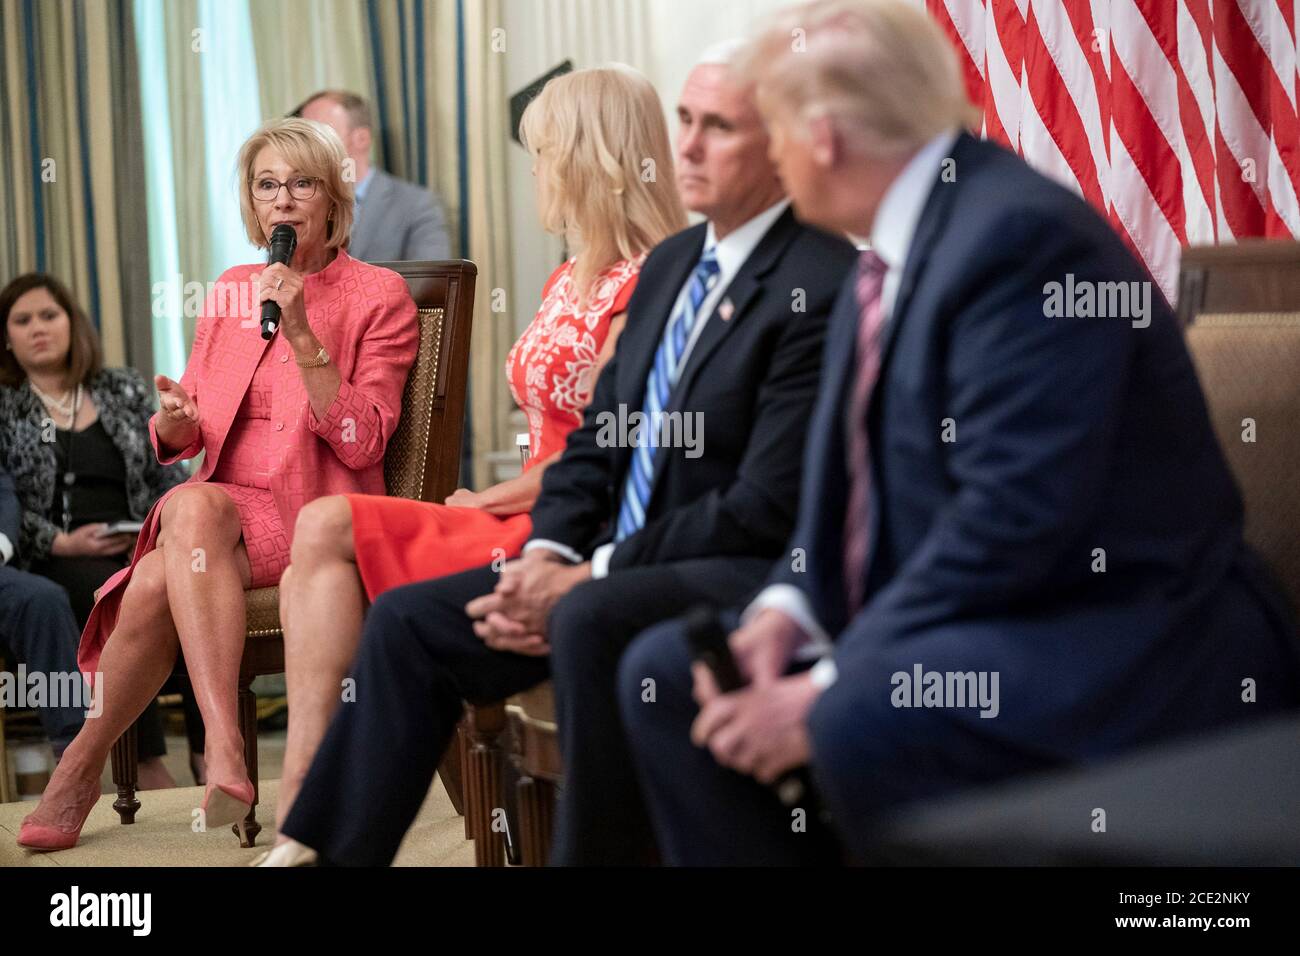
(422, 463)
(1241, 306)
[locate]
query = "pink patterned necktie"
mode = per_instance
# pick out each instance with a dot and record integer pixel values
(871, 282)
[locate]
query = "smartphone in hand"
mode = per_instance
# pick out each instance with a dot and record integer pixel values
(120, 527)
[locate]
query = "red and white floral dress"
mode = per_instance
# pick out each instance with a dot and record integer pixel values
(551, 371)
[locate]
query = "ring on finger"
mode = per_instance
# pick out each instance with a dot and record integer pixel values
(279, 285)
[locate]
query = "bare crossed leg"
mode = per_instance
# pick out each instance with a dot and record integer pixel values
(186, 594)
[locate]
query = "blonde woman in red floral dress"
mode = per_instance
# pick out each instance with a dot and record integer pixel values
(592, 135)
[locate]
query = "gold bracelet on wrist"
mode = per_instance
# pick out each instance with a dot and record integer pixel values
(320, 361)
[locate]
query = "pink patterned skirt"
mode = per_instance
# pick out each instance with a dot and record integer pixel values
(265, 539)
(244, 473)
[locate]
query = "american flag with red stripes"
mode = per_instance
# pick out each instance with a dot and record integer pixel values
(1176, 118)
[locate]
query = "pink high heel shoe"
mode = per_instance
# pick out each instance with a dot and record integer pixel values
(60, 836)
(224, 804)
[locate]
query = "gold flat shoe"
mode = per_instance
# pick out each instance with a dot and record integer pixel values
(290, 853)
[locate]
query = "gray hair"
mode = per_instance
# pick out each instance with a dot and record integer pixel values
(881, 70)
(723, 53)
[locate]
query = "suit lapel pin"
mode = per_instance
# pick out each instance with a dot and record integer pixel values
(726, 310)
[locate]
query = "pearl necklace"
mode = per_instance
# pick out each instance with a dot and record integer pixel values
(68, 406)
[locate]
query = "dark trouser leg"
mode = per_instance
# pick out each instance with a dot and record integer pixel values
(37, 623)
(193, 718)
(78, 578)
(703, 813)
(601, 820)
(419, 659)
(150, 740)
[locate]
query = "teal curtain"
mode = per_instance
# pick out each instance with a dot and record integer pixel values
(200, 94)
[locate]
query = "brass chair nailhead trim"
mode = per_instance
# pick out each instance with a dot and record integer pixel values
(1220, 320)
(408, 447)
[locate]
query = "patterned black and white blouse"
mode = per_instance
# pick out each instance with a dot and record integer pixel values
(125, 404)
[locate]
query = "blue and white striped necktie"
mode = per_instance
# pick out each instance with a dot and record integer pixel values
(663, 378)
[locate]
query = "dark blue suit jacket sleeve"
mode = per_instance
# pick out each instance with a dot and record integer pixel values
(575, 500)
(824, 477)
(9, 509)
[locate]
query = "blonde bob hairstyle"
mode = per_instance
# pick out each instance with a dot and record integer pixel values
(312, 149)
(881, 70)
(607, 182)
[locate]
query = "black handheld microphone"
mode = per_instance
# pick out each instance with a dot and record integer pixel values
(709, 646)
(283, 242)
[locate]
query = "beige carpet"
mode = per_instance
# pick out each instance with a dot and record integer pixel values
(162, 833)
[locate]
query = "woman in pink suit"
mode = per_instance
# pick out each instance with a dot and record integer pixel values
(280, 423)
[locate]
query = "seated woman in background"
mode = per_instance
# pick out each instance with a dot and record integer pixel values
(75, 438)
(590, 134)
(306, 414)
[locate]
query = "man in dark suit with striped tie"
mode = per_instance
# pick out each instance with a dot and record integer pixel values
(634, 524)
(1022, 545)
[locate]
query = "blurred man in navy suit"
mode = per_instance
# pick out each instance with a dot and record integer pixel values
(38, 626)
(1018, 546)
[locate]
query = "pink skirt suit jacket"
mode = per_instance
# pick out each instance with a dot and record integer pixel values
(262, 442)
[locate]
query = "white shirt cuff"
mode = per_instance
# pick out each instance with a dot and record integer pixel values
(794, 604)
(600, 560)
(6, 549)
(563, 550)
(824, 673)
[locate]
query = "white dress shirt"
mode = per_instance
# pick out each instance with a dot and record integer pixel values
(732, 253)
(892, 233)
(6, 549)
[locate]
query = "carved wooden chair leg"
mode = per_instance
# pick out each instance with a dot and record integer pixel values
(536, 816)
(126, 766)
(452, 774)
(509, 789)
(462, 744)
(5, 789)
(248, 828)
(483, 777)
(6, 793)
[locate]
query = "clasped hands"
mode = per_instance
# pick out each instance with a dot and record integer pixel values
(513, 617)
(760, 730)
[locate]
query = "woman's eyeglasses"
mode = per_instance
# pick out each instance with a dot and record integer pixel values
(300, 188)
